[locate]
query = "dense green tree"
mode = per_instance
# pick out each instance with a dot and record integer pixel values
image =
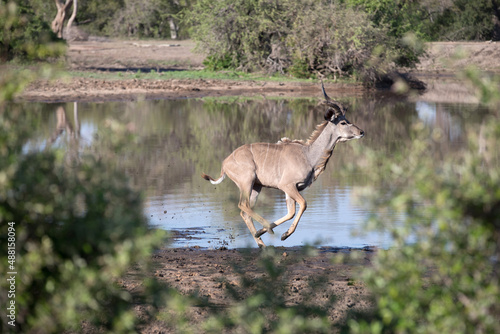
(241, 33)
(471, 20)
(133, 18)
(435, 20)
(400, 16)
(95, 16)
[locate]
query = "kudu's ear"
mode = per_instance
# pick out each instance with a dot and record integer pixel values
(329, 114)
(332, 112)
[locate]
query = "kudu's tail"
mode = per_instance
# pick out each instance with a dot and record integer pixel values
(209, 178)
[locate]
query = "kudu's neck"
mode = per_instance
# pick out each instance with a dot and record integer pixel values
(320, 150)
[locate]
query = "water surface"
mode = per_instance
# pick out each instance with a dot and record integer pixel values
(177, 140)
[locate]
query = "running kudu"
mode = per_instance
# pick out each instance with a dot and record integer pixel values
(288, 165)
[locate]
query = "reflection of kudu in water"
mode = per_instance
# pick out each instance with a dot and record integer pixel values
(74, 133)
(64, 125)
(289, 165)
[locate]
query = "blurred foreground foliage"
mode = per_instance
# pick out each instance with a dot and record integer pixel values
(441, 274)
(79, 228)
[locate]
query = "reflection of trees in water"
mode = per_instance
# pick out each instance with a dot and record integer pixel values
(451, 125)
(197, 135)
(179, 139)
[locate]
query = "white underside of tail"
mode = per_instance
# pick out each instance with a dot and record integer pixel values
(219, 180)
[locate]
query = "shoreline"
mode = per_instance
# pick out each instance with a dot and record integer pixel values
(437, 69)
(439, 88)
(108, 90)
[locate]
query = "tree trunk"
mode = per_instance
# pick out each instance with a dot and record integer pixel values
(58, 23)
(173, 28)
(496, 20)
(59, 19)
(68, 34)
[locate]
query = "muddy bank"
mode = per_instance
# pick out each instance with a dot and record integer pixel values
(99, 90)
(326, 278)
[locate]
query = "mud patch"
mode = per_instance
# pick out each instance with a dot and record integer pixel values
(182, 237)
(314, 278)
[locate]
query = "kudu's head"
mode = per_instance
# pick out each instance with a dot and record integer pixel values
(335, 114)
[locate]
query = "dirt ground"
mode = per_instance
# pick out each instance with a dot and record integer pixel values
(191, 269)
(93, 90)
(326, 279)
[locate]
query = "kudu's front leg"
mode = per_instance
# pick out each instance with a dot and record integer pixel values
(297, 197)
(290, 204)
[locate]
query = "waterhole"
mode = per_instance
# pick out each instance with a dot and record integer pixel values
(177, 140)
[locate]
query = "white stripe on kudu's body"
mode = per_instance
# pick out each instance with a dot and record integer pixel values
(288, 165)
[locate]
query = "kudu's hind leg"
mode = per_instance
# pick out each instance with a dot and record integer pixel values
(248, 220)
(245, 206)
(290, 205)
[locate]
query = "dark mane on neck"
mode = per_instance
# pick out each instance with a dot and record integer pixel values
(316, 133)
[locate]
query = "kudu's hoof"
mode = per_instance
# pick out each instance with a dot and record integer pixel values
(264, 230)
(260, 232)
(284, 236)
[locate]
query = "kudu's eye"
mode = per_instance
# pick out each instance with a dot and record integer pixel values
(343, 123)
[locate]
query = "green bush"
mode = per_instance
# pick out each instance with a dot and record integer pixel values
(299, 68)
(78, 228)
(212, 63)
(339, 41)
(433, 20)
(240, 31)
(303, 38)
(441, 274)
(469, 20)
